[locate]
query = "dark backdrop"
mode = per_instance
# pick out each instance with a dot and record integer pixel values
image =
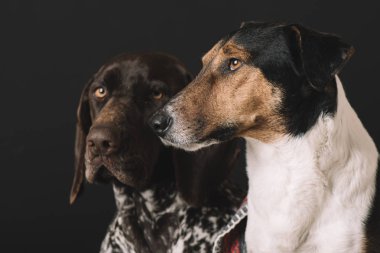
(48, 50)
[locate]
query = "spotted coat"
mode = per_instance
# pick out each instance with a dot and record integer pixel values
(158, 220)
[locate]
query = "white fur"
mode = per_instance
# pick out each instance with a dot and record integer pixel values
(311, 194)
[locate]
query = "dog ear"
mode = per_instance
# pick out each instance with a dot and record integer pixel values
(251, 23)
(188, 77)
(200, 174)
(244, 23)
(82, 127)
(318, 56)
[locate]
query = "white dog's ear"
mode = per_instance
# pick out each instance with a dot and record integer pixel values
(319, 56)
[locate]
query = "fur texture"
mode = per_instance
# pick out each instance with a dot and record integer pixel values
(312, 193)
(167, 222)
(167, 200)
(311, 164)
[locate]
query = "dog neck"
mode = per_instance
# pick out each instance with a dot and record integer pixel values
(161, 186)
(295, 180)
(150, 202)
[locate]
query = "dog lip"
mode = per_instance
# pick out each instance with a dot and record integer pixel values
(91, 173)
(170, 143)
(103, 175)
(167, 142)
(101, 171)
(193, 146)
(109, 164)
(97, 170)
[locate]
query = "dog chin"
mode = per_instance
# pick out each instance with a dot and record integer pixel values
(98, 174)
(188, 146)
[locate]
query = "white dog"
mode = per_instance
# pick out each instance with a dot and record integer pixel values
(311, 164)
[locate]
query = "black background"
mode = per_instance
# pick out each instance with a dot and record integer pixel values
(48, 50)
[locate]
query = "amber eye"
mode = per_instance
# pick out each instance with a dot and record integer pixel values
(100, 92)
(234, 64)
(157, 95)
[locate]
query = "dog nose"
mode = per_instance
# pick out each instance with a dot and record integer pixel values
(102, 141)
(160, 123)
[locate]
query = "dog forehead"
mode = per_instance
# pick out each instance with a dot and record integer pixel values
(143, 71)
(240, 41)
(224, 49)
(132, 70)
(255, 37)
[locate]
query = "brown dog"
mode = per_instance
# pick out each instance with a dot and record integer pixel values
(114, 143)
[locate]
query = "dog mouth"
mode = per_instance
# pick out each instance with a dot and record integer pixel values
(183, 141)
(188, 146)
(100, 175)
(103, 170)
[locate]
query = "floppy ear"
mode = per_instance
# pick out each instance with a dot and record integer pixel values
(318, 56)
(200, 174)
(82, 128)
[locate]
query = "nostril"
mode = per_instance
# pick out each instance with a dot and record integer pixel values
(161, 123)
(103, 141)
(90, 143)
(157, 125)
(106, 144)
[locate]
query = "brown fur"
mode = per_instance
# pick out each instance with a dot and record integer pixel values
(244, 99)
(135, 157)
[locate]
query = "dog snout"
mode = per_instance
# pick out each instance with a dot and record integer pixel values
(102, 141)
(160, 123)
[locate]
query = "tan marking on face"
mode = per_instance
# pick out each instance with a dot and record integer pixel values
(232, 50)
(243, 98)
(222, 52)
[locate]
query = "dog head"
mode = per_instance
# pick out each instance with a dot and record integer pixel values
(113, 138)
(262, 81)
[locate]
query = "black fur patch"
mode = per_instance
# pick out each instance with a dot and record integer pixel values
(302, 63)
(221, 134)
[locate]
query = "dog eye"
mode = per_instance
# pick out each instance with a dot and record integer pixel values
(101, 92)
(234, 64)
(157, 95)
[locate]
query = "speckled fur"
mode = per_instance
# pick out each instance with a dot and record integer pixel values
(167, 222)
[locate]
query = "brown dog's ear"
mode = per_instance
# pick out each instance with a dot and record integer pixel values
(318, 56)
(199, 174)
(188, 77)
(82, 127)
